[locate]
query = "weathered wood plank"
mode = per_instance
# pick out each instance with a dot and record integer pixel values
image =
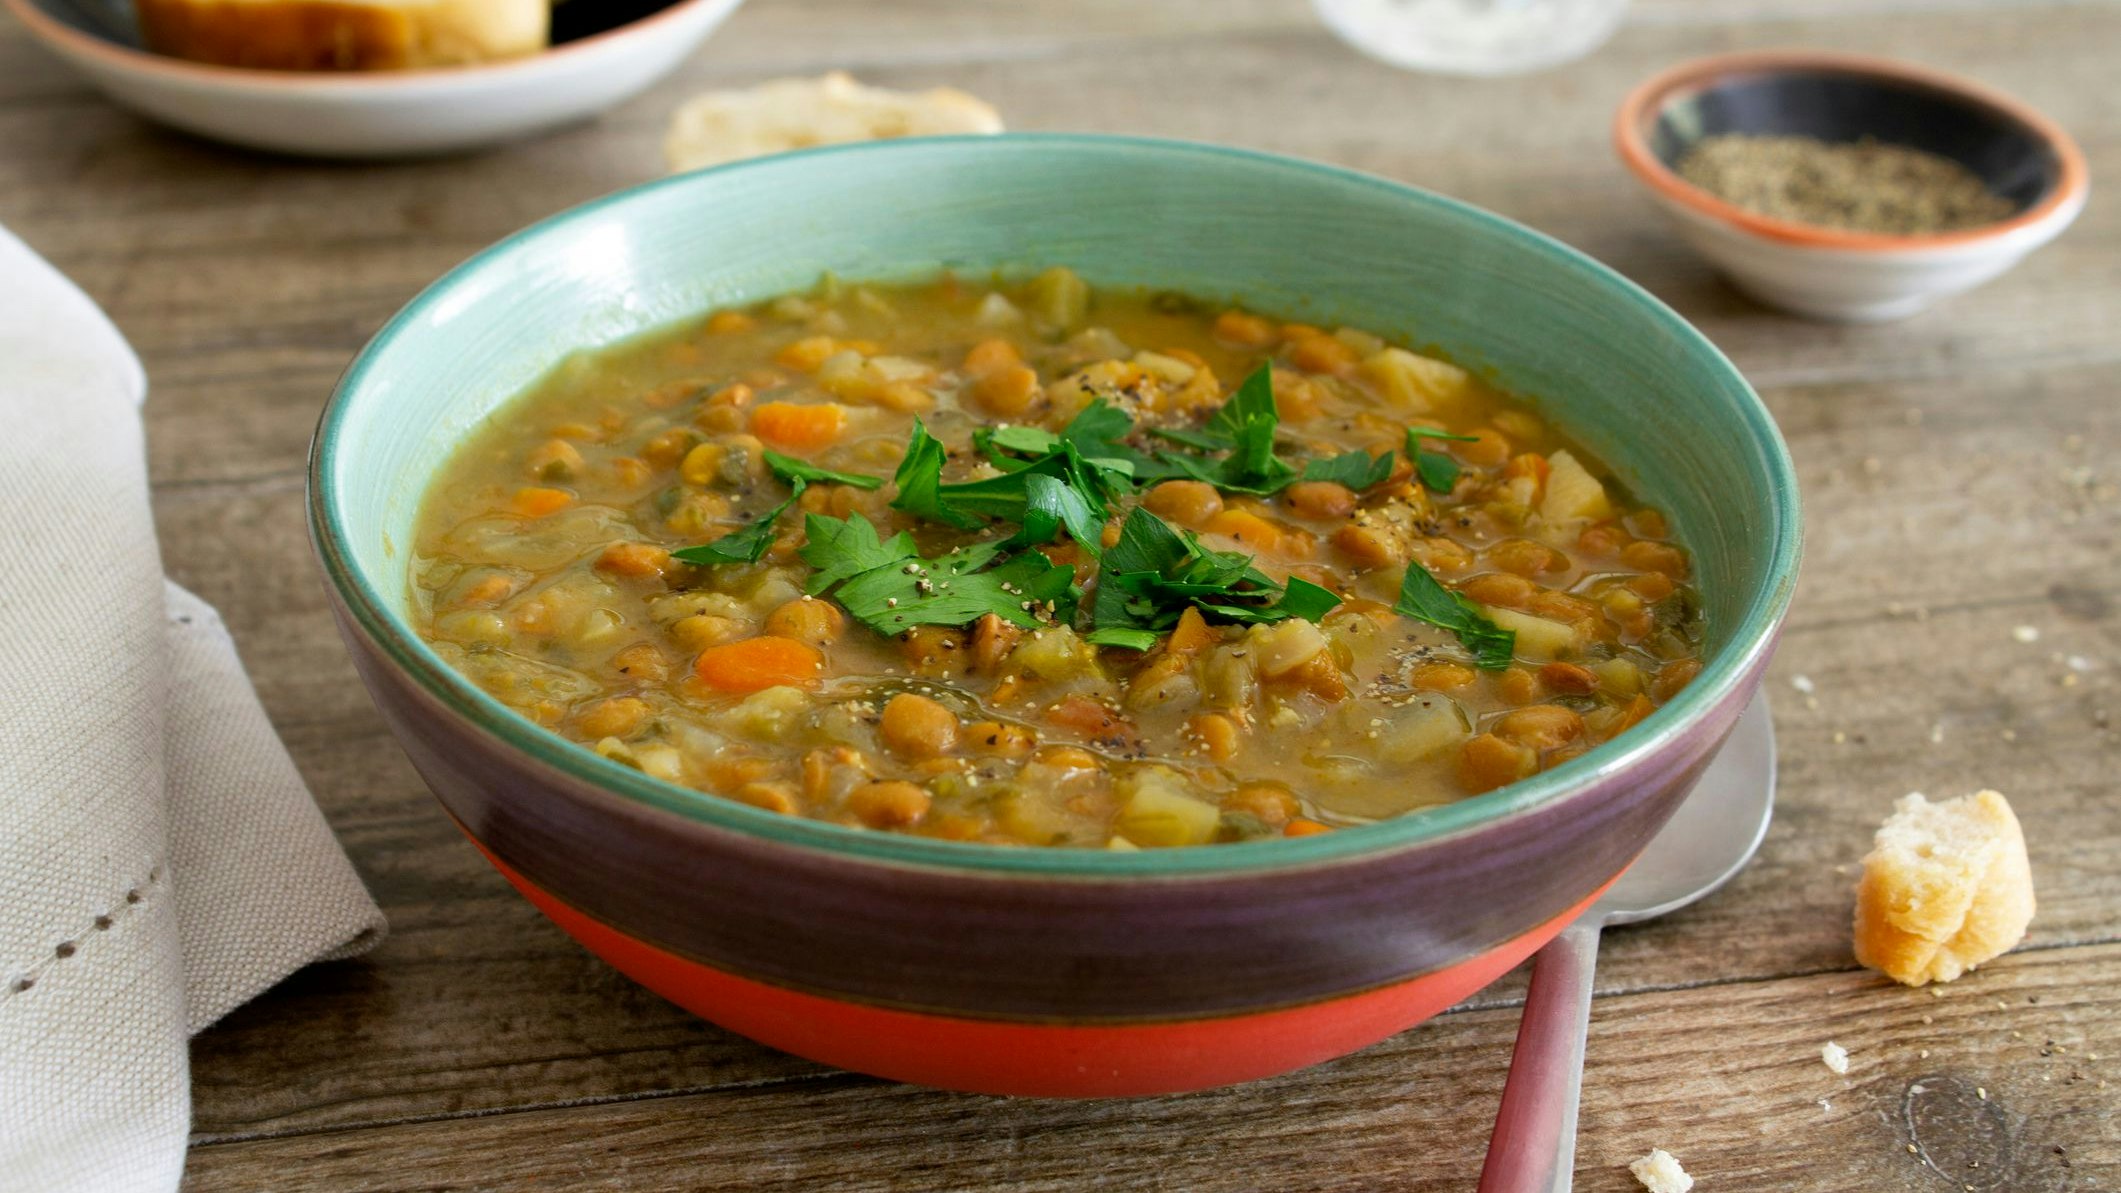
(1958, 465)
(1728, 1077)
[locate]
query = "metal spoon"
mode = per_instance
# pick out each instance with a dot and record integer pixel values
(1708, 840)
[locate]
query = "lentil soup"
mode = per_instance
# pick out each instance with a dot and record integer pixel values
(1023, 564)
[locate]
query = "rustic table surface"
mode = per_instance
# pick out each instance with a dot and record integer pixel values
(1960, 479)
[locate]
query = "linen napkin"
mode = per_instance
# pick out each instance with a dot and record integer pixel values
(161, 861)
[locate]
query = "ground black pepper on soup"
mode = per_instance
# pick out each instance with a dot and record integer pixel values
(1023, 564)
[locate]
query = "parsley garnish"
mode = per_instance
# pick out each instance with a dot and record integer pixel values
(1356, 470)
(749, 543)
(1423, 598)
(1059, 489)
(887, 586)
(843, 548)
(1096, 434)
(920, 482)
(1244, 426)
(746, 545)
(1438, 471)
(1155, 572)
(793, 471)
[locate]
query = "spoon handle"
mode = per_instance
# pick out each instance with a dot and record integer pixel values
(1533, 1149)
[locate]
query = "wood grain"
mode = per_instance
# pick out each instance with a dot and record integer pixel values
(1959, 483)
(1728, 1077)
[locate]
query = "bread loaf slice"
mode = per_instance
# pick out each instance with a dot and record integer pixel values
(345, 35)
(1946, 887)
(784, 114)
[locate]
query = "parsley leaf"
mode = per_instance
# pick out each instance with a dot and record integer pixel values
(920, 482)
(1438, 471)
(1126, 639)
(1197, 440)
(793, 471)
(888, 587)
(745, 545)
(1423, 598)
(1155, 572)
(843, 548)
(1059, 488)
(1245, 425)
(1098, 433)
(1356, 470)
(1051, 505)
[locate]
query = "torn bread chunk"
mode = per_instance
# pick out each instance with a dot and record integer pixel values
(1659, 1172)
(785, 114)
(345, 35)
(1945, 887)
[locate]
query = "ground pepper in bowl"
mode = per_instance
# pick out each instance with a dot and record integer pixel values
(1859, 186)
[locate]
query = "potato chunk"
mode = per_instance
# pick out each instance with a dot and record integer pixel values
(1417, 384)
(1538, 639)
(1573, 494)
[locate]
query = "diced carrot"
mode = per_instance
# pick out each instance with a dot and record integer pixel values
(1302, 827)
(1247, 528)
(754, 664)
(1190, 634)
(1632, 715)
(538, 502)
(803, 427)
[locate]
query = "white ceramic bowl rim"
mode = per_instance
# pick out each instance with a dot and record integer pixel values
(439, 81)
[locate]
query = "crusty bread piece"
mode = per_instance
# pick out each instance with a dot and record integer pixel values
(785, 114)
(331, 35)
(1945, 887)
(1659, 1172)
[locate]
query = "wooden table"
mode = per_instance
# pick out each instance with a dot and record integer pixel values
(1960, 481)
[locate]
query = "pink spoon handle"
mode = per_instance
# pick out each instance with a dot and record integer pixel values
(1533, 1149)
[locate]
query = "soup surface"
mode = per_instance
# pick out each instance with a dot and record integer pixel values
(1023, 564)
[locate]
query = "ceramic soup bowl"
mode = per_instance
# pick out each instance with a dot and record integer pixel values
(1054, 971)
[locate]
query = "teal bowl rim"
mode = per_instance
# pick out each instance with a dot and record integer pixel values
(1753, 636)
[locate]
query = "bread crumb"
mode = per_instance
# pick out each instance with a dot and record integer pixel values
(1945, 887)
(1659, 1172)
(1835, 1056)
(2026, 633)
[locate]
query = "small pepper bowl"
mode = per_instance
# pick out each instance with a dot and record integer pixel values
(1830, 273)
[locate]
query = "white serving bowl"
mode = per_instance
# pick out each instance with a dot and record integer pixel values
(381, 114)
(1827, 273)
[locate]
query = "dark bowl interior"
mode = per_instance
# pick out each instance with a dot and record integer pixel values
(112, 20)
(2013, 158)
